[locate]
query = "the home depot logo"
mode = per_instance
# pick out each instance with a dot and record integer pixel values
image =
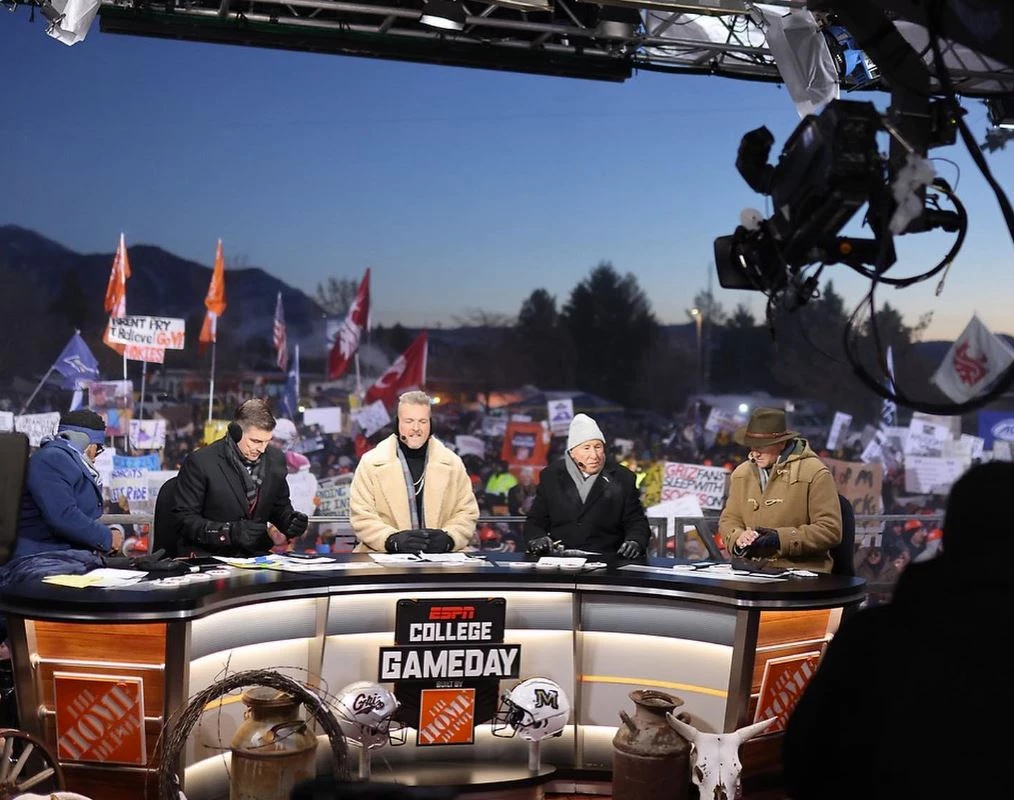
(452, 612)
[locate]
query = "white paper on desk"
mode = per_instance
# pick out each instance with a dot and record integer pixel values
(445, 557)
(730, 575)
(560, 562)
(401, 559)
(107, 576)
(317, 565)
(644, 568)
(251, 562)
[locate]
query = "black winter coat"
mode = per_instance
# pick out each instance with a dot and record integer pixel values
(612, 513)
(911, 699)
(210, 490)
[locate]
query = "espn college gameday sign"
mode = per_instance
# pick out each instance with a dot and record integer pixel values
(446, 665)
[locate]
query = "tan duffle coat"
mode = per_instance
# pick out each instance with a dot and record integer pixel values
(800, 502)
(378, 497)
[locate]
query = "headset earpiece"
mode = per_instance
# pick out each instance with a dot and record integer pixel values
(235, 432)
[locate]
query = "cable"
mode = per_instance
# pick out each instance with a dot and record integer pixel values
(1005, 379)
(940, 185)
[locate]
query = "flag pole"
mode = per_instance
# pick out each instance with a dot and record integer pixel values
(211, 388)
(297, 379)
(144, 376)
(359, 380)
(28, 402)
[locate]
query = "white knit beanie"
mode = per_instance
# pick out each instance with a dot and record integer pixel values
(583, 428)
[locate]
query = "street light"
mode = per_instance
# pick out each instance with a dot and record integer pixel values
(698, 317)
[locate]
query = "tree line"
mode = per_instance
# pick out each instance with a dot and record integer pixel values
(603, 338)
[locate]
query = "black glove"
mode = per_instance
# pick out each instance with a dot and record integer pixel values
(410, 541)
(630, 549)
(766, 542)
(215, 536)
(250, 536)
(297, 525)
(540, 546)
(438, 541)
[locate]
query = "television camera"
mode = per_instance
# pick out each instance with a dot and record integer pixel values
(828, 169)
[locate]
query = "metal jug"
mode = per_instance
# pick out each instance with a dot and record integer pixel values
(650, 760)
(272, 750)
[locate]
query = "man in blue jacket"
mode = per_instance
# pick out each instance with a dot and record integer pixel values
(59, 530)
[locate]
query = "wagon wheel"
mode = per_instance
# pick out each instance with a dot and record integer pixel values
(26, 763)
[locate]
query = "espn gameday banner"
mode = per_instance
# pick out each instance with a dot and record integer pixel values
(455, 646)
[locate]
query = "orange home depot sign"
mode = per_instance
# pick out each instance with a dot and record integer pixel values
(446, 716)
(99, 718)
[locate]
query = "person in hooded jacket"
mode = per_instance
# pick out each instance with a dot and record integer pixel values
(586, 501)
(59, 530)
(911, 697)
(782, 505)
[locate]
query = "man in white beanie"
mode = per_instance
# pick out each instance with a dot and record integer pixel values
(587, 502)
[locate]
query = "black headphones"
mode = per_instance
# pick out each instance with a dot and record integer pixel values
(235, 432)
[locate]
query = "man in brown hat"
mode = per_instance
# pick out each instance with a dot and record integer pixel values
(783, 502)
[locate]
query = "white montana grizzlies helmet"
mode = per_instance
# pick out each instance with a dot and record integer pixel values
(535, 709)
(364, 711)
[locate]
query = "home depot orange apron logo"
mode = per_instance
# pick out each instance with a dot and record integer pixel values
(447, 716)
(99, 718)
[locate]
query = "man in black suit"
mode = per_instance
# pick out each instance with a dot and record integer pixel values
(229, 490)
(585, 502)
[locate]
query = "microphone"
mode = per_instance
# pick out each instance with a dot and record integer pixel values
(403, 437)
(581, 465)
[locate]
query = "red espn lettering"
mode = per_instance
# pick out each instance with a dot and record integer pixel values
(452, 612)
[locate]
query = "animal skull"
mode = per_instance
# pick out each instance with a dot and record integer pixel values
(714, 757)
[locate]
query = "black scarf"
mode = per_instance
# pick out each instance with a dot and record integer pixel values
(250, 472)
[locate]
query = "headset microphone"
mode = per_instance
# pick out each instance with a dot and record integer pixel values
(581, 465)
(403, 437)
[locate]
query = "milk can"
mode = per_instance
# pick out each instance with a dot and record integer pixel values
(650, 760)
(273, 750)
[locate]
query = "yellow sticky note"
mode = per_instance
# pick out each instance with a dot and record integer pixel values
(74, 581)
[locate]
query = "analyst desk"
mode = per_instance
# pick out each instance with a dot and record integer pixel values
(599, 634)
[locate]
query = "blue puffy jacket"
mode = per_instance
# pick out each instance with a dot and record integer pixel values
(61, 504)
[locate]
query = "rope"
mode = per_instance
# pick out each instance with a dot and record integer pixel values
(177, 729)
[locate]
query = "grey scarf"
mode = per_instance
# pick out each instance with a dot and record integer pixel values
(251, 473)
(583, 484)
(79, 443)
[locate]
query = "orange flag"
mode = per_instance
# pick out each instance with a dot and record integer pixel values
(214, 301)
(115, 302)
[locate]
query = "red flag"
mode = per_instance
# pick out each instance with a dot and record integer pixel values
(214, 302)
(347, 341)
(280, 339)
(407, 372)
(115, 302)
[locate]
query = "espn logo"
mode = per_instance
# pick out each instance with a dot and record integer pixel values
(452, 612)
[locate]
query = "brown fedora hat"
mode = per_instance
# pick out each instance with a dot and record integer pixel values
(766, 427)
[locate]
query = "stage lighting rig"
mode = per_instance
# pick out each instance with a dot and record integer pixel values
(829, 168)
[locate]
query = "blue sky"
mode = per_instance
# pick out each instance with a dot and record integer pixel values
(463, 189)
